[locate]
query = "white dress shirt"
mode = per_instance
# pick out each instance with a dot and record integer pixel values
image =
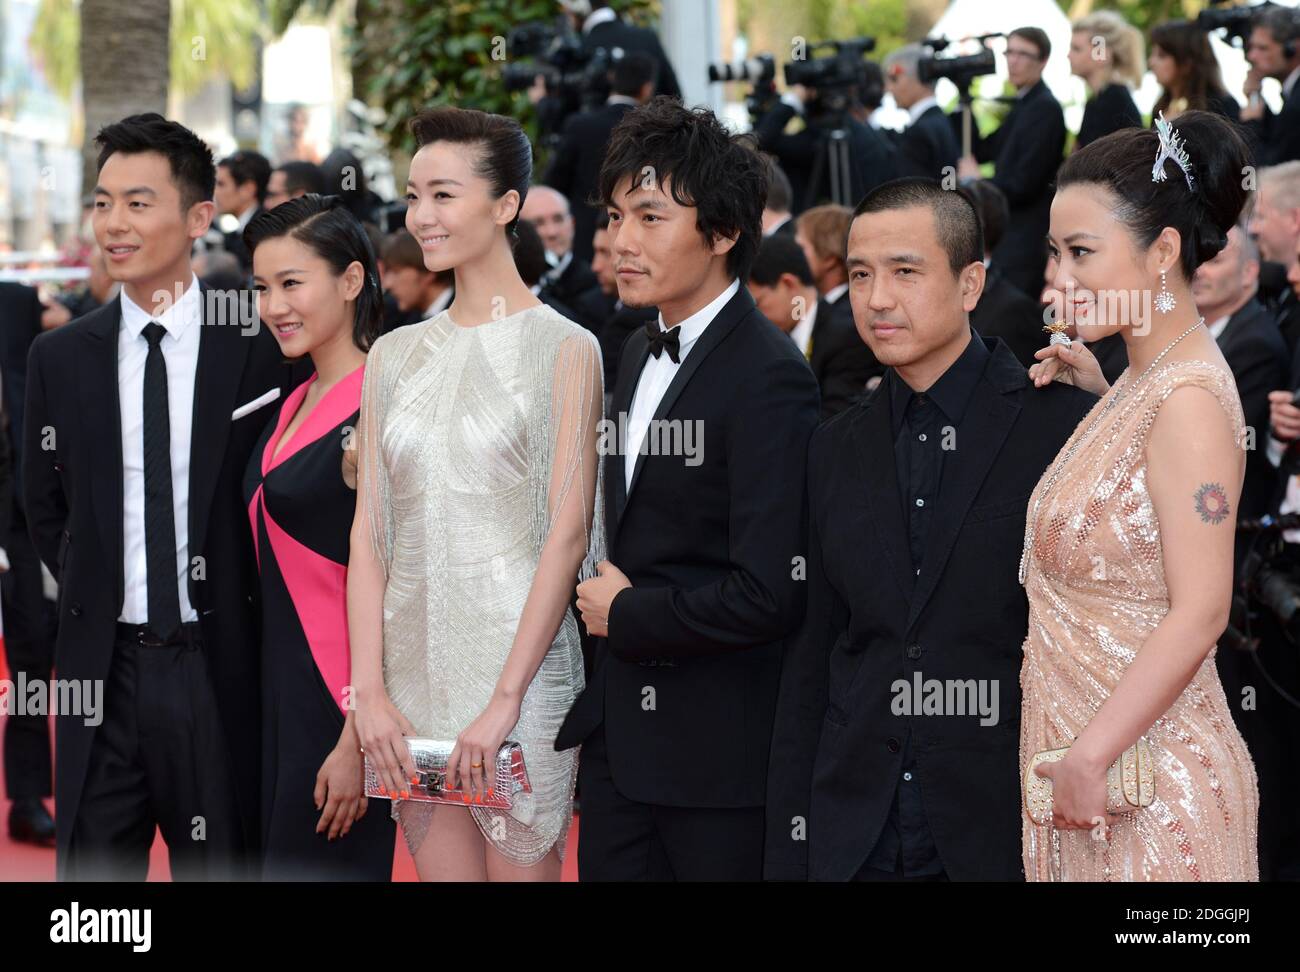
(835, 293)
(920, 108)
(440, 303)
(801, 333)
(1216, 327)
(180, 348)
(658, 374)
(598, 16)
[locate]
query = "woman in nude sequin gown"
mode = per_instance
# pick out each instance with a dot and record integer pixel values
(477, 511)
(1129, 540)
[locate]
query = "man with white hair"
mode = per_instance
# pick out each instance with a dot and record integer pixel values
(928, 145)
(1275, 225)
(550, 215)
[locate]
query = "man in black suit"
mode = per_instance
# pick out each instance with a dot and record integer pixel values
(1275, 227)
(602, 27)
(918, 498)
(566, 275)
(240, 194)
(1224, 290)
(28, 614)
(603, 311)
(1025, 151)
(575, 165)
(1004, 310)
(928, 147)
(777, 218)
(783, 289)
(143, 410)
(704, 517)
(1274, 52)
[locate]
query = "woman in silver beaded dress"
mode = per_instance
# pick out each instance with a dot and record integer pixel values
(1128, 560)
(477, 513)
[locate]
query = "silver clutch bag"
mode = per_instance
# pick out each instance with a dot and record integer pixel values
(507, 777)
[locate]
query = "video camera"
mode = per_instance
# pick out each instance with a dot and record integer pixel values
(961, 70)
(833, 77)
(1235, 22)
(576, 77)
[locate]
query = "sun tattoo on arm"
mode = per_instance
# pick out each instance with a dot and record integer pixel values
(1212, 503)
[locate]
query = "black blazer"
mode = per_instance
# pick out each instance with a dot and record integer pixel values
(1257, 355)
(1006, 311)
(1277, 137)
(610, 34)
(928, 145)
(1111, 109)
(841, 361)
(20, 323)
(1026, 151)
(575, 167)
(711, 552)
(74, 502)
(836, 745)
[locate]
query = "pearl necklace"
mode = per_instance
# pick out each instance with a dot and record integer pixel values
(1062, 460)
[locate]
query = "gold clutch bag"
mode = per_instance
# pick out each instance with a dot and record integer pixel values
(1130, 782)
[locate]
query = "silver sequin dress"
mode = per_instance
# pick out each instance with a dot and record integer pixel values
(1096, 586)
(471, 438)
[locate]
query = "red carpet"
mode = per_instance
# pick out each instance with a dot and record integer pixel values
(23, 862)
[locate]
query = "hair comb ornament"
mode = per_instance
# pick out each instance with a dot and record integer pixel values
(1171, 147)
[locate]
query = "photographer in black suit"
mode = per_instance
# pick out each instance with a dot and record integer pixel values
(918, 498)
(602, 27)
(704, 509)
(575, 166)
(1025, 151)
(1274, 52)
(928, 145)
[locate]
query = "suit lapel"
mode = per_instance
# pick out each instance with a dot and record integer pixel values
(989, 418)
(727, 318)
(615, 473)
(874, 452)
(100, 409)
(223, 348)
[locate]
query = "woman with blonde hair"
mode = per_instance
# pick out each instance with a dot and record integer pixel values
(1108, 53)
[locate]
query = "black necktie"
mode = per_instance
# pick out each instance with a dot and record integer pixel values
(159, 514)
(661, 340)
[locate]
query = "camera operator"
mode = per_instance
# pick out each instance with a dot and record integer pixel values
(602, 27)
(928, 145)
(871, 156)
(1274, 52)
(585, 136)
(1026, 151)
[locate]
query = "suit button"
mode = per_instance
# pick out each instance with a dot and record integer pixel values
(913, 651)
(75, 610)
(58, 466)
(892, 744)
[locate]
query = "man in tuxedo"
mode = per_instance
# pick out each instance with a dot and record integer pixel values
(601, 26)
(783, 289)
(28, 614)
(1025, 151)
(242, 180)
(928, 146)
(140, 420)
(1275, 227)
(822, 233)
(918, 498)
(1004, 310)
(704, 518)
(566, 274)
(575, 165)
(1224, 290)
(1274, 52)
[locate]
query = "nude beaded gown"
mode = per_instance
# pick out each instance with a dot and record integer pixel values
(1095, 581)
(471, 438)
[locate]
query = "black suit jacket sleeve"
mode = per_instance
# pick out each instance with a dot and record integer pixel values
(1026, 150)
(47, 506)
(758, 601)
(1277, 137)
(801, 709)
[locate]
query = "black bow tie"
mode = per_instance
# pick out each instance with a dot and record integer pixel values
(661, 340)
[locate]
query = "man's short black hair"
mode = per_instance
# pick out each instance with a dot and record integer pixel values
(955, 218)
(300, 176)
(995, 212)
(188, 155)
(780, 194)
(632, 72)
(720, 173)
(779, 254)
(247, 166)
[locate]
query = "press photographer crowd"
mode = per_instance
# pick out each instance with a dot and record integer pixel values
(814, 502)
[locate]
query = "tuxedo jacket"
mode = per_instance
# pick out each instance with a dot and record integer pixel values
(837, 744)
(685, 684)
(928, 145)
(840, 360)
(20, 322)
(72, 481)
(1006, 311)
(1026, 152)
(1253, 347)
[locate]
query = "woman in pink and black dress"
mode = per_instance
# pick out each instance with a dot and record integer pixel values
(318, 291)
